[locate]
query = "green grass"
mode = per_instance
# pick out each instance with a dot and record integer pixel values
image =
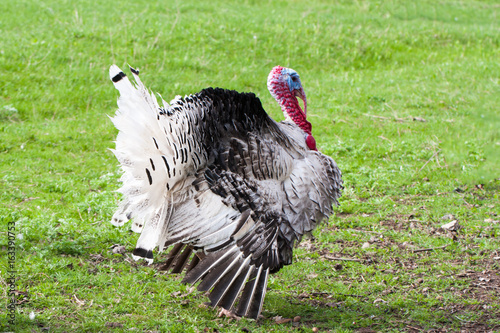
(372, 70)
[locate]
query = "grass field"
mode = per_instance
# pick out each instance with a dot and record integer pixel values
(403, 95)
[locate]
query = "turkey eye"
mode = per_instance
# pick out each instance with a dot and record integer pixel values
(294, 78)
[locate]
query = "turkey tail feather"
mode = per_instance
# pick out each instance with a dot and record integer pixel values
(228, 276)
(232, 292)
(253, 294)
(182, 260)
(120, 80)
(172, 256)
(141, 147)
(225, 285)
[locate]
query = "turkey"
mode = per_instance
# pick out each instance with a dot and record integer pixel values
(228, 190)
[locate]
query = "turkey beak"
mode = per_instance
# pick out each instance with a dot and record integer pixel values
(300, 93)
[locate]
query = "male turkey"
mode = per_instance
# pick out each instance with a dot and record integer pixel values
(230, 188)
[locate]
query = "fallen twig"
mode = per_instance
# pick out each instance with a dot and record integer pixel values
(80, 214)
(481, 286)
(384, 138)
(414, 328)
(352, 295)
(467, 204)
(430, 159)
(342, 259)
(431, 248)
(364, 231)
(386, 118)
(378, 117)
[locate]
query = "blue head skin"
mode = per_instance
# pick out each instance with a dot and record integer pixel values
(295, 86)
(293, 79)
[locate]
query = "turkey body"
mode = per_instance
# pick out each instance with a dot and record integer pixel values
(226, 188)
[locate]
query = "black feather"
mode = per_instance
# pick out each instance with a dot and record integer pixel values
(172, 255)
(143, 253)
(258, 296)
(149, 176)
(216, 272)
(223, 285)
(182, 260)
(133, 70)
(247, 294)
(118, 77)
(232, 291)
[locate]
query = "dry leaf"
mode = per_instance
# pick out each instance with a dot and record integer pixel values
(419, 119)
(119, 249)
(228, 314)
(78, 302)
(379, 300)
(281, 320)
(452, 226)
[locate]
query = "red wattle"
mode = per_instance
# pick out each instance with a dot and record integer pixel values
(311, 143)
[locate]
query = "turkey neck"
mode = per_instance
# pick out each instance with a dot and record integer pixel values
(290, 105)
(291, 109)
